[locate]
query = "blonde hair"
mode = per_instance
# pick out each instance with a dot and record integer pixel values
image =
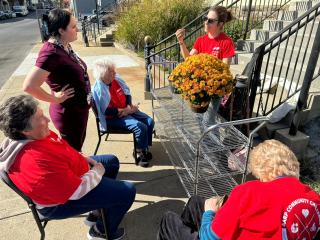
(101, 67)
(272, 159)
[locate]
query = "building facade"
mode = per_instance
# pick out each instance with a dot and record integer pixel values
(17, 3)
(4, 5)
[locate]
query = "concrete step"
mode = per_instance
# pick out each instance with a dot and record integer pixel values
(107, 44)
(314, 104)
(300, 6)
(107, 38)
(287, 72)
(261, 35)
(235, 58)
(278, 25)
(288, 15)
(290, 51)
(248, 45)
(297, 41)
(268, 131)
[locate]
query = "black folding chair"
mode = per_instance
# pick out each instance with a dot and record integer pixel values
(111, 130)
(40, 220)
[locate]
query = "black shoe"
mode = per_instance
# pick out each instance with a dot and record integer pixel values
(120, 233)
(142, 160)
(148, 155)
(95, 235)
(91, 219)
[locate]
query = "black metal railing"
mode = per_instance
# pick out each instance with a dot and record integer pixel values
(95, 25)
(248, 14)
(280, 68)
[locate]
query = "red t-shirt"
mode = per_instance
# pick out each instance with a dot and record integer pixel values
(117, 96)
(221, 46)
(48, 170)
(255, 210)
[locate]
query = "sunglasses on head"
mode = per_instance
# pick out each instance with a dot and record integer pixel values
(210, 20)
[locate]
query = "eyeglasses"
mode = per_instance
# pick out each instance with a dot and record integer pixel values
(210, 20)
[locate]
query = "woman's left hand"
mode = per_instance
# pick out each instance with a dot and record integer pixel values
(91, 161)
(211, 204)
(134, 108)
(124, 112)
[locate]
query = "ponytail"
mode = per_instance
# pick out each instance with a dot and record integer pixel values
(44, 27)
(223, 14)
(229, 16)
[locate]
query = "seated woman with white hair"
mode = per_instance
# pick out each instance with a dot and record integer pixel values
(115, 109)
(276, 206)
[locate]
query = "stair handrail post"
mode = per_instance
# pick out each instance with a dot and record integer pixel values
(97, 16)
(253, 73)
(303, 96)
(147, 58)
(84, 32)
(247, 20)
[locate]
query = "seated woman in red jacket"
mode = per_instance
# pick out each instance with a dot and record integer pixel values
(56, 176)
(277, 206)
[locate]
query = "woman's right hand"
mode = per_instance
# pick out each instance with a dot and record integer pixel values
(180, 34)
(123, 112)
(64, 94)
(99, 168)
(211, 204)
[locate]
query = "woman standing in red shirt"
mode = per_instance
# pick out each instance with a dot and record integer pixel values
(215, 42)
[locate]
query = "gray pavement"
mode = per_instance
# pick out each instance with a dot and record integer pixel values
(17, 37)
(158, 187)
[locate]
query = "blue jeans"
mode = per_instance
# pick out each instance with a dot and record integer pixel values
(115, 197)
(140, 124)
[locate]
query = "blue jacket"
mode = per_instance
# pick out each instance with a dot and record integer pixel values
(101, 96)
(206, 232)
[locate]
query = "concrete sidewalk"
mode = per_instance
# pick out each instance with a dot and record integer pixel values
(158, 187)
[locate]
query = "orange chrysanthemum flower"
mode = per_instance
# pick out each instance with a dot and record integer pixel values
(201, 77)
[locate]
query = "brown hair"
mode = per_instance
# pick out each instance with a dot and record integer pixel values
(223, 14)
(15, 115)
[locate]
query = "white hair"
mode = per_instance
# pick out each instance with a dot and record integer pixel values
(101, 67)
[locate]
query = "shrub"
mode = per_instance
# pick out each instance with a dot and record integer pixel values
(234, 29)
(156, 18)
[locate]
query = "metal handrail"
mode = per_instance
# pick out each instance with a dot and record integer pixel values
(298, 22)
(189, 24)
(247, 28)
(287, 67)
(168, 49)
(91, 29)
(225, 124)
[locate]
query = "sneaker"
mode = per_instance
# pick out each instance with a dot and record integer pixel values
(148, 155)
(142, 160)
(93, 234)
(120, 233)
(91, 219)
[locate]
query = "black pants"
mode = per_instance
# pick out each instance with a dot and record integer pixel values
(186, 226)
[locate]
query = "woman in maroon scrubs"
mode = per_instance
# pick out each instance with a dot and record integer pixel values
(66, 74)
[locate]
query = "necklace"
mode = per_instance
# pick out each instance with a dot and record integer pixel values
(72, 54)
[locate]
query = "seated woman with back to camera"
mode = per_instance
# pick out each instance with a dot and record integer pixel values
(277, 206)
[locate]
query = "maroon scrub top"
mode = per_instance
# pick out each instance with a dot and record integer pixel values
(71, 116)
